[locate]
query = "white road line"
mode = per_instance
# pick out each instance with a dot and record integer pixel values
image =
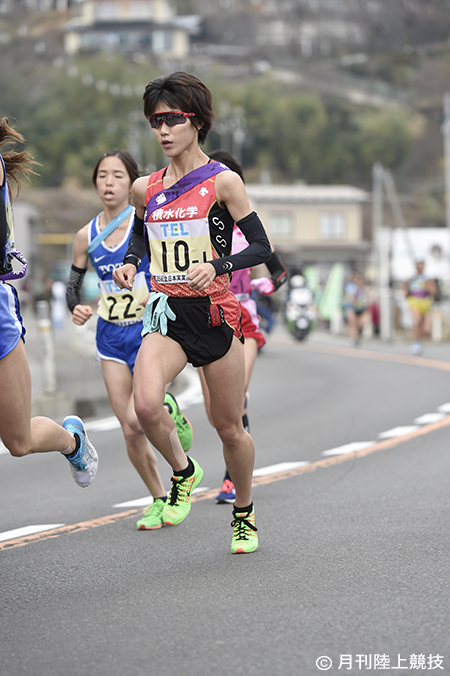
(349, 448)
(103, 425)
(280, 467)
(398, 431)
(143, 502)
(428, 418)
(27, 530)
(140, 502)
(444, 408)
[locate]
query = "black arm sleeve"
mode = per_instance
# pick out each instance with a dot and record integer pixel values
(277, 270)
(136, 244)
(258, 250)
(73, 289)
(3, 223)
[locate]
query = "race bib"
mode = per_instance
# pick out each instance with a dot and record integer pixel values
(176, 246)
(117, 305)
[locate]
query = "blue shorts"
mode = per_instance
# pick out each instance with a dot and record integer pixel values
(12, 328)
(118, 343)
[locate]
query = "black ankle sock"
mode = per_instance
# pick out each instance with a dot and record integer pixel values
(77, 447)
(239, 510)
(245, 422)
(161, 497)
(186, 473)
(227, 475)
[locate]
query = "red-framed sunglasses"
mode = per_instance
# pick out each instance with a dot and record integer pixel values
(170, 118)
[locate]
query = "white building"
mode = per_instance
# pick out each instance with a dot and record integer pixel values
(130, 25)
(314, 224)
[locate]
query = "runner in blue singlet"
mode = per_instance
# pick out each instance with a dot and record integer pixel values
(104, 242)
(20, 433)
(356, 307)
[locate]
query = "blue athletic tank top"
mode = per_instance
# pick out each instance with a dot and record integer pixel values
(5, 260)
(119, 306)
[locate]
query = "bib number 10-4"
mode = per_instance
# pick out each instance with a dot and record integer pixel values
(180, 256)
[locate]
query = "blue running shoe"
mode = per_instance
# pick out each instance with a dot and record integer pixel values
(85, 464)
(227, 492)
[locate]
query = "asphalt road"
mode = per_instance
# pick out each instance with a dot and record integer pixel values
(353, 564)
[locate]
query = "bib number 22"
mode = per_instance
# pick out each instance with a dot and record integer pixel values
(127, 314)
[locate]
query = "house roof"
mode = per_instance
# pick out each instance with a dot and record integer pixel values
(302, 193)
(119, 26)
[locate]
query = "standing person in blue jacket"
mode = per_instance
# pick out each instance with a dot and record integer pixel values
(20, 433)
(104, 240)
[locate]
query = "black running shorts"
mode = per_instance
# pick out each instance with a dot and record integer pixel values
(204, 330)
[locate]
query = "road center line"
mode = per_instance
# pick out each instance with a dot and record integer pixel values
(359, 353)
(257, 481)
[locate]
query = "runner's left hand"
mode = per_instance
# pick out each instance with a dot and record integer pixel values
(263, 284)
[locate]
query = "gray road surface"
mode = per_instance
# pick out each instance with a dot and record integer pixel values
(353, 564)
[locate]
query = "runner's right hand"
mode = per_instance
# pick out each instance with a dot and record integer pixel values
(124, 276)
(81, 313)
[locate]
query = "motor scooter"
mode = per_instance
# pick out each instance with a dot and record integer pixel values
(300, 311)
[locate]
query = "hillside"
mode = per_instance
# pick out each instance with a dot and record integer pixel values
(324, 117)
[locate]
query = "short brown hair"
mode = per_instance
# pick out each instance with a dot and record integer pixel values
(184, 92)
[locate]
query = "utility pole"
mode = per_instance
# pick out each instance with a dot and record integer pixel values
(397, 213)
(382, 243)
(238, 125)
(446, 134)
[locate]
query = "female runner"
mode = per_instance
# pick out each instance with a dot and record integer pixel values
(21, 433)
(185, 215)
(104, 241)
(242, 287)
(420, 294)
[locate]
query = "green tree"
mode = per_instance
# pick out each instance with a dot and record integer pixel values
(302, 136)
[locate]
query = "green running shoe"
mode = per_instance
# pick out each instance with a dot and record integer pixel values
(178, 503)
(244, 538)
(152, 518)
(184, 427)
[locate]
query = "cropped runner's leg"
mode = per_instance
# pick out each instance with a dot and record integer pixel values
(160, 359)
(417, 324)
(119, 384)
(20, 433)
(226, 380)
(251, 352)
(352, 324)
